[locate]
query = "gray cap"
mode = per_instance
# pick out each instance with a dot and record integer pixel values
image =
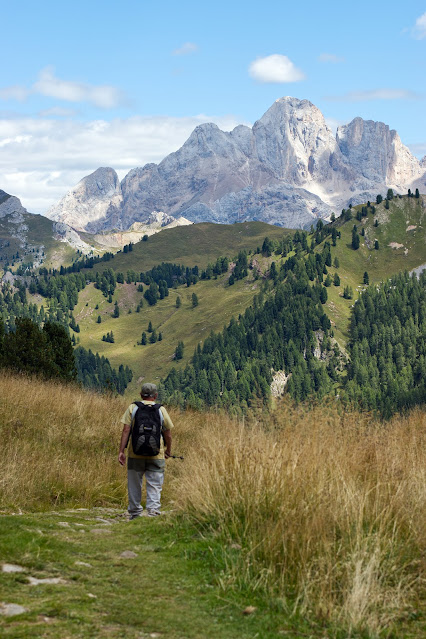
(148, 390)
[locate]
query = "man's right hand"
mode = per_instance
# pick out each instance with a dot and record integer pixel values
(121, 459)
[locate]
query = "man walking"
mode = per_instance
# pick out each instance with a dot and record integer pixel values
(152, 466)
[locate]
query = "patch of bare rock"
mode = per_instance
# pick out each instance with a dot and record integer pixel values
(11, 609)
(12, 568)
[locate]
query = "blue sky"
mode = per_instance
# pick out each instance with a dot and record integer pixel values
(88, 84)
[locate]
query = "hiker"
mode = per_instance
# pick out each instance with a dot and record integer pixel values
(147, 430)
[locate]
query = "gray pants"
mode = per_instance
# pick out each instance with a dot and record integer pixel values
(153, 469)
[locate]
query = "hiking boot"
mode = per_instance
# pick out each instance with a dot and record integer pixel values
(152, 513)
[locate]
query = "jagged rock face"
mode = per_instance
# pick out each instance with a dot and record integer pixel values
(279, 204)
(65, 233)
(11, 205)
(287, 170)
(243, 175)
(293, 139)
(93, 204)
(377, 153)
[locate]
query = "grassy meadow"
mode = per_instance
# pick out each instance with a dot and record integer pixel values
(218, 303)
(195, 245)
(313, 513)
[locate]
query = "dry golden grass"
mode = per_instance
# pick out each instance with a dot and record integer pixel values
(328, 509)
(59, 446)
(325, 510)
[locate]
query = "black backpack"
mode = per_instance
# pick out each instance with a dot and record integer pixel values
(146, 430)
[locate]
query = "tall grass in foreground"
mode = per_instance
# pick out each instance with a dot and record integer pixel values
(325, 512)
(59, 445)
(329, 510)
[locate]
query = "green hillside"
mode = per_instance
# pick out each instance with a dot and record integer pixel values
(197, 244)
(218, 301)
(396, 228)
(402, 246)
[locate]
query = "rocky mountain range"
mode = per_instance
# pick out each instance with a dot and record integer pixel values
(288, 169)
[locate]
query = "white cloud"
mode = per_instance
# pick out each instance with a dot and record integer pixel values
(275, 69)
(185, 49)
(40, 159)
(376, 94)
(419, 29)
(105, 96)
(330, 57)
(14, 93)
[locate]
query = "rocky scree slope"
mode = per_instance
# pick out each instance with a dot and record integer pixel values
(288, 169)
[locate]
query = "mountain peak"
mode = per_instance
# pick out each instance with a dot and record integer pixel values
(288, 169)
(92, 204)
(377, 153)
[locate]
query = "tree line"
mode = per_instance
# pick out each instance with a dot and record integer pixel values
(387, 347)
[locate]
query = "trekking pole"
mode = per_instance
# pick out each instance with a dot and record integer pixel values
(175, 457)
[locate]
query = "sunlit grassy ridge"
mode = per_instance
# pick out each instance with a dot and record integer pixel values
(197, 244)
(395, 227)
(218, 303)
(321, 509)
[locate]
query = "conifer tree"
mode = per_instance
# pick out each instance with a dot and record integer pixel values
(179, 350)
(355, 239)
(28, 350)
(63, 354)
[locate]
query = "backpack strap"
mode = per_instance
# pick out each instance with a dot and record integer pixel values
(161, 414)
(135, 408)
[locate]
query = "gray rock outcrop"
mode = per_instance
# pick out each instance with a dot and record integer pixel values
(11, 205)
(288, 169)
(93, 204)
